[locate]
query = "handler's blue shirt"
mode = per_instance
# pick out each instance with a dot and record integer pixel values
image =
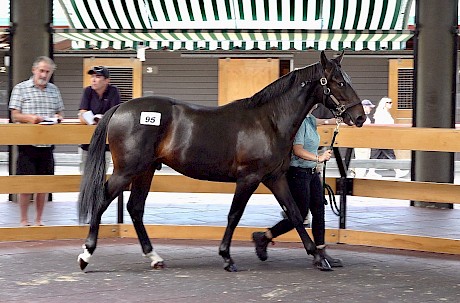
(308, 137)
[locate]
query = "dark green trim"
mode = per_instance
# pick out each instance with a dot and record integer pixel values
(152, 10)
(305, 10)
(101, 11)
(396, 14)
(357, 13)
(75, 8)
(216, 10)
(114, 13)
(319, 7)
(202, 10)
(383, 14)
(332, 15)
(241, 9)
(370, 14)
(266, 10)
(345, 14)
(139, 14)
(177, 10)
(279, 10)
(125, 9)
(190, 10)
(88, 10)
(228, 10)
(165, 10)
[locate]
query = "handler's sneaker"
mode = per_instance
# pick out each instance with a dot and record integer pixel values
(261, 243)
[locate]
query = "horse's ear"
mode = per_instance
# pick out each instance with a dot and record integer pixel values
(339, 58)
(324, 60)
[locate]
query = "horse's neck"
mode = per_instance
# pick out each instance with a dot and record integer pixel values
(292, 109)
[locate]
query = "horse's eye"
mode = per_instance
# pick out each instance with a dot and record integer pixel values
(341, 84)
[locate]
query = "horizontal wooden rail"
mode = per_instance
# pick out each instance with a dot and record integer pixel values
(71, 183)
(396, 137)
(420, 191)
(400, 138)
(23, 134)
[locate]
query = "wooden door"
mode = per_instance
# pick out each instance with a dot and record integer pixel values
(400, 84)
(241, 78)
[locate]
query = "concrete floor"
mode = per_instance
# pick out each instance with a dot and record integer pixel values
(47, 271)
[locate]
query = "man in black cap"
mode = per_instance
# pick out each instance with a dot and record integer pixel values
(97, 98)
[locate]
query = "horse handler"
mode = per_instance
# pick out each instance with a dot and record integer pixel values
(306, 188)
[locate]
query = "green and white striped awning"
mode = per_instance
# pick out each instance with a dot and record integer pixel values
(244, 24)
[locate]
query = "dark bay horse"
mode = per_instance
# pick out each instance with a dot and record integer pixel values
(247, 142)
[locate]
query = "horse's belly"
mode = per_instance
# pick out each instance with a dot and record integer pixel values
(206, 173)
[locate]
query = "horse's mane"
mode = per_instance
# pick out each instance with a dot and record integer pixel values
(282, 85)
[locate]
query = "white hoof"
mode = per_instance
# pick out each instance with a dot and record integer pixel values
(83, 258)
(157, 261)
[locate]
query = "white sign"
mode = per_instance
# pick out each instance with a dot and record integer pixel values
(150, 118)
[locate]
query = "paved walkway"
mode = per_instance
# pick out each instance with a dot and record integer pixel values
(48, 272)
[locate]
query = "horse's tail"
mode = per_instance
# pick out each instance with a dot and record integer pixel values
(92, 189)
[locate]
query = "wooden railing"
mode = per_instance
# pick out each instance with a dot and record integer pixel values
(398, 138)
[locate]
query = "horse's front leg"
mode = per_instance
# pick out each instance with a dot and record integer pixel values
(113, 187)
(280, 189)
(139, 190)
(244, 190)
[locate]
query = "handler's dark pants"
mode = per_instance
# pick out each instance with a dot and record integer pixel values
(307, 190)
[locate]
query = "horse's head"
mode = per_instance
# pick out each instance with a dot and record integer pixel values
(337, 93)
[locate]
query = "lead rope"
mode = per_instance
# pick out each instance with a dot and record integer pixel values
(327, 189)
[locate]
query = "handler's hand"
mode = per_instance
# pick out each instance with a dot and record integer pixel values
(325, 156)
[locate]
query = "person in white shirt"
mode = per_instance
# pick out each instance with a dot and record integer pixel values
(382, 115)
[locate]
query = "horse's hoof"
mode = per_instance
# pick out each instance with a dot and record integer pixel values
(230, 267)
(159, 265)
(322, 264)
(82, 263)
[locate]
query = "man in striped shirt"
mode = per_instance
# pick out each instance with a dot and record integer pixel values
(34, 101)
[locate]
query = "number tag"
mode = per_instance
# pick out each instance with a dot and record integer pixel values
(150, 118)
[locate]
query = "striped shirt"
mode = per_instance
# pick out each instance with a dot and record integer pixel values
(30, 99)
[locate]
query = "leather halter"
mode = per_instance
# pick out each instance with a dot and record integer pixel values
(340, 108)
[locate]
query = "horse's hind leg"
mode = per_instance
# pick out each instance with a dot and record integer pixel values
(244, 190)
(139, 190)
(113, 187)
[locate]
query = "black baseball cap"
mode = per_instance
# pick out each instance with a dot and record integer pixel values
(99, 70)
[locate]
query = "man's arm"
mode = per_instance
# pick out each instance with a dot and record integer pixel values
(18, 116)
(80, 116)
